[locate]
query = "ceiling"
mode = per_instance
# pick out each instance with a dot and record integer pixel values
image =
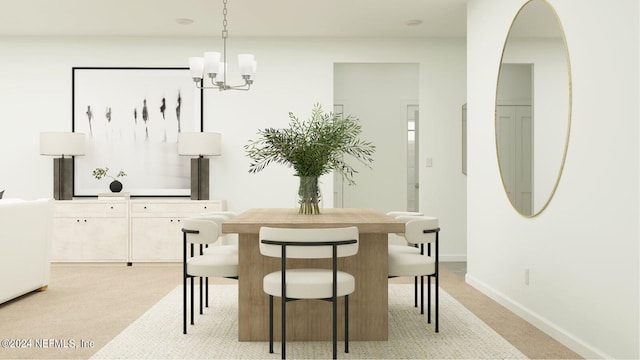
(246, 18)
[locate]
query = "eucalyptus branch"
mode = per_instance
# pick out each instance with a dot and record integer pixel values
(314, 147)
(99, 173)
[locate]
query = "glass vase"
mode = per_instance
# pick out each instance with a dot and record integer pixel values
(309, 196)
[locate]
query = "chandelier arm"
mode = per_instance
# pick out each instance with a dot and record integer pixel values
(246, 86)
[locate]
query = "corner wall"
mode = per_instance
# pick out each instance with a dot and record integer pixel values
(582, 251)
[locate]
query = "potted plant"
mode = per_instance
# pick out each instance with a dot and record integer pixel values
(115, 185)
(313, 148)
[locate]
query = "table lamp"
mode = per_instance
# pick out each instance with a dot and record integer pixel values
(199, 144)
(62, 143)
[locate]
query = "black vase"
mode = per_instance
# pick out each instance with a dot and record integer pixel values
(115, 186)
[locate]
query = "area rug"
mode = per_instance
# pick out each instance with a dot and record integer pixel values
(157, 334)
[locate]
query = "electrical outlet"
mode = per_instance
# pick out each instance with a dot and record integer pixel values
(526, 276)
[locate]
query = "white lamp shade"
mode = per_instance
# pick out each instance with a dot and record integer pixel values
(246, 63)
(221, 72)
(199, 143)
(211, 62)
(196, 67)
(62, 143)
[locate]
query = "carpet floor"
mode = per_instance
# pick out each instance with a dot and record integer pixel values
(157, 334)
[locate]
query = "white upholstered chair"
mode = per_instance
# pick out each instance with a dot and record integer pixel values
(397, 242)
(321, 284)
(226, 243)
(419, 230)
(201, 231)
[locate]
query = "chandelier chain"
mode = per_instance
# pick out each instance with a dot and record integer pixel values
(224, 20)
(224, 39)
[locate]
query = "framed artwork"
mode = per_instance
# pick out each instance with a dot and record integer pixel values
(131, 117)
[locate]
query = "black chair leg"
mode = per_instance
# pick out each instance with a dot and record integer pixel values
(415, 291)
(206, 289)
(270, 324)
(184, 305)
(436, 301)
(421, 294)
(346, 323)
(201, 293)
(184, 283)
(192, 322)
(284, 326)
(429, 299)
(335, 328)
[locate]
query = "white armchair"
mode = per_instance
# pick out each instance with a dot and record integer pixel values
(25, 246)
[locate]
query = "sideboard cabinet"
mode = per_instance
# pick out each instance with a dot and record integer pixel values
(156, 227)
(85, 230)
(141, 230)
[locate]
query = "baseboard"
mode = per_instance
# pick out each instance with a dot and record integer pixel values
(543, 324)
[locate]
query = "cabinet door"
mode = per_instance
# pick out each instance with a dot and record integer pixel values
(90, 239)
(67, 241)
(156, 239)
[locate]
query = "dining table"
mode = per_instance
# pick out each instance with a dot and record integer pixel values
(311, 319)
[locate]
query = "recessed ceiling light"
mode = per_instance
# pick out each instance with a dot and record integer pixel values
(413, 22)
(184, 21)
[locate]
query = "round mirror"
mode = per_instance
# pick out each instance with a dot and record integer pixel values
(533, 108)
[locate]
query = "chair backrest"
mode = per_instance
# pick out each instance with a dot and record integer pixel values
(217, 218)
(220, 217)
(399, 214)
(207, 230)
(228, 214)
(306, 243)
(395, 214)
(414, 227)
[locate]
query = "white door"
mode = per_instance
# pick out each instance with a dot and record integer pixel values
(515, 146)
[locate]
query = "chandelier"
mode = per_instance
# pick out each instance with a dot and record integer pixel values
(216, 70)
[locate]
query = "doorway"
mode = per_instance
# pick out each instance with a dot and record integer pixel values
(384, 97)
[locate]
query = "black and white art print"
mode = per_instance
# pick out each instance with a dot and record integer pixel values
(131, 118)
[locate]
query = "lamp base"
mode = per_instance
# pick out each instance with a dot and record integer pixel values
(200, 178)
(63, 178)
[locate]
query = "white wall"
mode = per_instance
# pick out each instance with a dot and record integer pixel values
(293, 74)
(443, 191)
(582, 251)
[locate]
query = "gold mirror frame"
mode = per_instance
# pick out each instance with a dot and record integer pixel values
(534, 211)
